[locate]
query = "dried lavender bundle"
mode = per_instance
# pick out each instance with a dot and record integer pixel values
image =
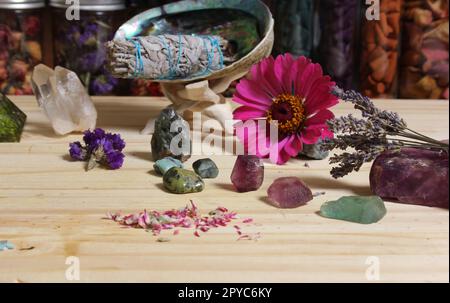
(167, 57)
(377, 131)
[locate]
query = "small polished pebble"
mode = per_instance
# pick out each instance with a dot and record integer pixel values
(182, 181)
(164, 165)
(364, 210)
(206, 168)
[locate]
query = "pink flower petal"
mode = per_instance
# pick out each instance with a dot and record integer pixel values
(257, 75)
(294, 146)
(327, 133)
(311, 135)
(320, 118)
(321, 98)
(252, 91)
(238, 98)
(247, 133)
(301, 65)
(281, 73)
(267, 68)
(245, 113)
(277, 153)
(311, 73)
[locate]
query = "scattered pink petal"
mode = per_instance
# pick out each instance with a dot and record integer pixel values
(188, 217)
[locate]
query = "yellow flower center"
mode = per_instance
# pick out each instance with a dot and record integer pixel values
(288, 111)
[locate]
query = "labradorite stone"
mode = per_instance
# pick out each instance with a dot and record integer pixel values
(171, 137)
(206, 168)
(314, 151)
(364, 210)
(182, 181)
(12, 120)
(164, 165)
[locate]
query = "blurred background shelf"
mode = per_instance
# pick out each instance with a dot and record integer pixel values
(404, 54)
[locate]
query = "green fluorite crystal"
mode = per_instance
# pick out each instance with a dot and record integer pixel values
(364, 210)
(206, 168)
(12, 120)
(182, 181)
(164, 165)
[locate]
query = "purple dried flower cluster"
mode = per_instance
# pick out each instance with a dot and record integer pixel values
(378, 131)
(100, 148)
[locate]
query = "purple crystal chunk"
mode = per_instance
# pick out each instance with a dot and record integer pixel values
(289, 192)
(412, 176)
(248, 173)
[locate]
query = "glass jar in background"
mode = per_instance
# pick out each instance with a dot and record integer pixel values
(294, 20)
(337, 33)
(79, 44)
(21, 43)
(380, 49)
(140, 87)
(425, 61)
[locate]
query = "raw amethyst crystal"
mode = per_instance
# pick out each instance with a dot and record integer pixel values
(412, 176)
(248, 173)
(289, 192)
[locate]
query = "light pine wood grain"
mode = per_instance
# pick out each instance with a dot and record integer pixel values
(50, 203)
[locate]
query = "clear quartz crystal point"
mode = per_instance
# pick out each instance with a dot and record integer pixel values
(64, 99)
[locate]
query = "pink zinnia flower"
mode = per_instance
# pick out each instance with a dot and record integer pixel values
(293, 95)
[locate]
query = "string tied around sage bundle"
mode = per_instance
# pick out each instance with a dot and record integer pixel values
(168, 57)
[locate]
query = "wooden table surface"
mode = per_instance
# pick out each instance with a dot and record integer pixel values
(53, 205)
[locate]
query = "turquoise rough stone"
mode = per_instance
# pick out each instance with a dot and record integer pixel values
(6, 245)
(164, 165)
(12, 120)
(182, 181)
(206, 168)
(364, 210)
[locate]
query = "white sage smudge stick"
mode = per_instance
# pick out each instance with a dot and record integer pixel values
(167, 57)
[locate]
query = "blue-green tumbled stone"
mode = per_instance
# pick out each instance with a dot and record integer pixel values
(164, 165)
(206, 168)
(364, 210)
(182, 181)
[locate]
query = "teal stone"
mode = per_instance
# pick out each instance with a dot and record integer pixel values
(6, 245)
(364, 210)
(206, 168)
(12, 120)
(164, 165)
(181, 181)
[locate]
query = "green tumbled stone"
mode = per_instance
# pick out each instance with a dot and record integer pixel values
(182, 181)
(314, 151)
(364, 210)
(12, 120)
(164, 165)
(206, 168)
